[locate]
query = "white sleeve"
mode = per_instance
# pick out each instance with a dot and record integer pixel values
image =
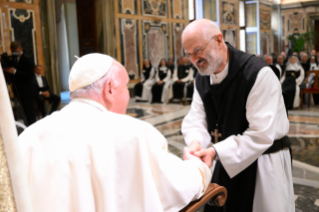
(279, 68)
(190, 73)
(142, 77)
(301, 77)
(178, 182)
(283, 77)
(157, 76)
(175, 78)
(194, 125)
(266, 114)
(152, 74)
(168, 76)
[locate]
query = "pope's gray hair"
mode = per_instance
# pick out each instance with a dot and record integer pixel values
(96, 88)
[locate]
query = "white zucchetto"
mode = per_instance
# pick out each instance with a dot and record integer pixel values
(88, 69)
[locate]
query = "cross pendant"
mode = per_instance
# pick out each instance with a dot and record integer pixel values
(216, 135)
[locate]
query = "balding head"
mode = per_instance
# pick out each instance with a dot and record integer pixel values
(204, 45)
(269, 59)
(111, 90)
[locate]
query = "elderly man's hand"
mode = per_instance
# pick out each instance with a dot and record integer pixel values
(194, 146)
(207, 155)
(188, 155)
(9, 70)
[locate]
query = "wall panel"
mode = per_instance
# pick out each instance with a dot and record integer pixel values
(148, 29)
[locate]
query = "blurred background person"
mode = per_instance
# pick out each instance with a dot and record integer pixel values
(160, 89)
(143, 89)
(44, 93)
(292, 81)
(24, 85)
(182, 75)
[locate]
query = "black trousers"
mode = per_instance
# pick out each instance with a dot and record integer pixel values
(28, 109)
(54, 99)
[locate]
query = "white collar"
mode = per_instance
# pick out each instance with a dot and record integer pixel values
(217, 78)
(91, 103)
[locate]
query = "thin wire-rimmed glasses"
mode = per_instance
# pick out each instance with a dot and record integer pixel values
(198, 52)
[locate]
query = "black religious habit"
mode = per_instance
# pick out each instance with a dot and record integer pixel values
(225, 108)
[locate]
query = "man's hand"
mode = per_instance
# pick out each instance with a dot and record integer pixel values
(179, 81)
(188, 155)
(194, 146)
(9, 70)
(207, 155)
(46, 94)
(160, 82)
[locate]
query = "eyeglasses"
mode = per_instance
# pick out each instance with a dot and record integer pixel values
(198, 52)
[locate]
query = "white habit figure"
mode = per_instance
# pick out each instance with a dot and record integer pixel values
(237, 118)
(182, 75)
(161, 89)
(90, 156)
(143, 89)
(291, 81)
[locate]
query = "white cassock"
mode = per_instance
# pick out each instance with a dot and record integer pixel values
(279, 68)
(268, 121)
(85, 158)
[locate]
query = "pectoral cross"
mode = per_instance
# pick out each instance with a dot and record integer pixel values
(216, 135)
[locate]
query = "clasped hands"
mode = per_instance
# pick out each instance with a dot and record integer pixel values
(195, 150)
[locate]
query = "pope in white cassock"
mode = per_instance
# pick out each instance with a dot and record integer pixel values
(90, 156)
(238, 118)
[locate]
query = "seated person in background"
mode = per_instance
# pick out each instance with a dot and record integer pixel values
(23, 82)
(44, 93)
(171, 66)
(291, 82)
(276, 68)
(181, 76)
(160, 90)
(312, 63)
(142, 90)
(190, 86)
(280, 61)
(317, 56)
(304, 63)
(90, 156)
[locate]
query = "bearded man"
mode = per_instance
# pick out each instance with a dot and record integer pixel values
(238, 107)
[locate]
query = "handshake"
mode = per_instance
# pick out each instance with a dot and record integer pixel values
(195, 151)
